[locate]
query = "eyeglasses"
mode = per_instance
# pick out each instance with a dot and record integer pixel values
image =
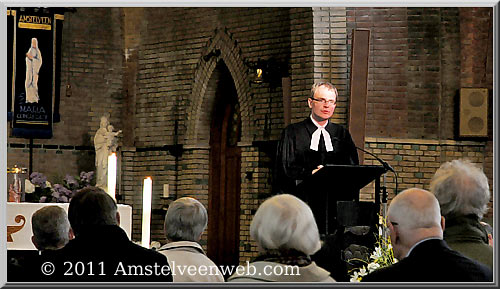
(324, 101)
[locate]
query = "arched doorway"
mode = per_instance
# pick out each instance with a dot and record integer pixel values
(224, 179)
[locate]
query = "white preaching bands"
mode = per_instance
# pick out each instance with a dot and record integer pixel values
(316, 136)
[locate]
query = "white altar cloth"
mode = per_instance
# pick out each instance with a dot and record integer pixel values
(19, 222)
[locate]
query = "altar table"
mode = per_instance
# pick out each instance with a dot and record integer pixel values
(19, 222)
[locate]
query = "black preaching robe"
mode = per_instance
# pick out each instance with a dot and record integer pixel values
(296, 161)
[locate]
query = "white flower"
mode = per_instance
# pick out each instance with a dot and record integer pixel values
(373, 266)
(28, 186)
(355, 277)
(47, 184)
(376, 254)
(362, 272)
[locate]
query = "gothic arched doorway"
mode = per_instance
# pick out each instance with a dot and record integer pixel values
(224, 179)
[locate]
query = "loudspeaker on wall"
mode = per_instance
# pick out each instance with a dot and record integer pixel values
(473, 112)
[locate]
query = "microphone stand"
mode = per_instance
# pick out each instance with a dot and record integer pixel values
(384, 188)
(387, 167)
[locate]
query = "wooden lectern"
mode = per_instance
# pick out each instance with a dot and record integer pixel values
(333, 195)
(334, 183)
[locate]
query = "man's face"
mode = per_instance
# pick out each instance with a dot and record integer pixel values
(320, 108)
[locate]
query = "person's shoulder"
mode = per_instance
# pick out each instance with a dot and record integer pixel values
(336, 127)
(296, 125)
(138, 250)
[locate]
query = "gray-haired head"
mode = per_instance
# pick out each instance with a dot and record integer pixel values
(89, 207)
(461, 189)
(325, 84)
(50, 228)
(186, 220)
(285, 222)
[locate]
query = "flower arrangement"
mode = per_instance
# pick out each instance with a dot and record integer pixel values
(39, 190)
(383, 255)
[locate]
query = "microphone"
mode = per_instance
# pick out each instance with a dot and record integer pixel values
(386, 165)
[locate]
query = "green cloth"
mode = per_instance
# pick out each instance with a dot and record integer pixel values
(466, 235)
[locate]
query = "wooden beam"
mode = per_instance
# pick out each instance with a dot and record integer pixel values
(359, 87)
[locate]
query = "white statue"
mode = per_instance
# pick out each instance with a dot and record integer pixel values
(105, 142)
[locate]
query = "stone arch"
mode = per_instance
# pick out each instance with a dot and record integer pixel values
(230, 53)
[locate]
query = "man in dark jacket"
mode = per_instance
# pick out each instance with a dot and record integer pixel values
(463, 193)
(416, 230)
(307, 146)
(101, 251)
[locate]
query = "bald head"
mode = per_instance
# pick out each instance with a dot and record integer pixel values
(413, 215)
(415, 208)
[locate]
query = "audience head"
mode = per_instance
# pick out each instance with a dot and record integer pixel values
(461, 189)
(91, 206)
(285, 222)
(413, 215)
(186, 220)
(51, 229)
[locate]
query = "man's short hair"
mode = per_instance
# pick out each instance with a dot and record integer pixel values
(414, 213)
(50, 227)
(461, 189)
(186, 219)
(285, 222)
(325, 84)
(91, 206)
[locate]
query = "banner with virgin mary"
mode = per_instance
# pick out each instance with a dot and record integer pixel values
(34, 74)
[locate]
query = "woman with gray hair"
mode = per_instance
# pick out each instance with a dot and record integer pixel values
(286, 235)
(185, 222)
(463, 193)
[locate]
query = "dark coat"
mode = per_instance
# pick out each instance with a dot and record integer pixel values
(296, 161)
(466, 235)
(432, 261)
(105, 253)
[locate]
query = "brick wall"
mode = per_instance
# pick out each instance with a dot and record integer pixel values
(330, 55)
(91, 64)
(415, 161)
(175, 83)
(145, 67)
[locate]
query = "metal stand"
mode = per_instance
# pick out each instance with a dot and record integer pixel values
(384, 210)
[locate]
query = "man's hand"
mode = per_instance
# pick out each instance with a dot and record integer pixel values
(317, 169)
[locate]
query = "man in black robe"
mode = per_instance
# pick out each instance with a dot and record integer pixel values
(307, 146)
(304, 149)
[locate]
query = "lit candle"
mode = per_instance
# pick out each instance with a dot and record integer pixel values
(112, 175)
(146, 211)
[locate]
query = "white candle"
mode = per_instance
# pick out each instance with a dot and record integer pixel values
(112, 175)
(146, 211)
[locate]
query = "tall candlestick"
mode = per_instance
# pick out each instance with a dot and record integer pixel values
(146, 211)
(112, 175)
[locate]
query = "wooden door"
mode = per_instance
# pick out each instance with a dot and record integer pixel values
(224, 179)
